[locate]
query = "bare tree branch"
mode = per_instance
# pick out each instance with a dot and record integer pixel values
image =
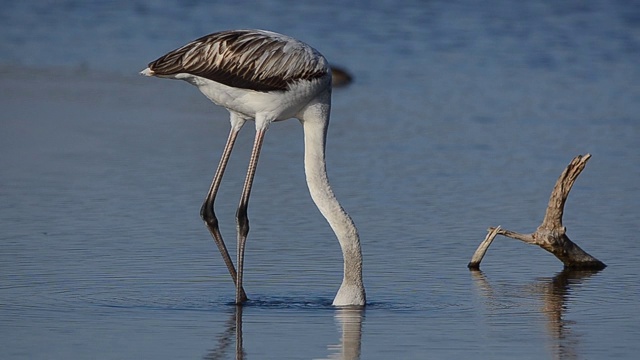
(550, 235)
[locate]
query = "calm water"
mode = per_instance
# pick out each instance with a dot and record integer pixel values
(462, 116)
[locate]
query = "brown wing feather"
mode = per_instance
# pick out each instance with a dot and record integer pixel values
(248, 59)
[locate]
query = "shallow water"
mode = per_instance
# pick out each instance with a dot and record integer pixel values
(461, 117)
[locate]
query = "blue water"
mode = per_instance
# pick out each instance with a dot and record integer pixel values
(462, 115)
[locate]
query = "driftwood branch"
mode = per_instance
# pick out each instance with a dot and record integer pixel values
(551, 234)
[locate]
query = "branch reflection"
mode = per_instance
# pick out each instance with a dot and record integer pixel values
(555, 294)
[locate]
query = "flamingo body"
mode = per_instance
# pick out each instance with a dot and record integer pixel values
(265, 76)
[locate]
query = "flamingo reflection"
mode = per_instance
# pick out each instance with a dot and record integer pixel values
(349, 321)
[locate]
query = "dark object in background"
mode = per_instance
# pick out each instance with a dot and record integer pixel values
(340, 77)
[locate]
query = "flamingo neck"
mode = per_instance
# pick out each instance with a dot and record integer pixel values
(315, 121)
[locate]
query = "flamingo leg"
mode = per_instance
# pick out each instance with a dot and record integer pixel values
(242, 220)
(207, 212)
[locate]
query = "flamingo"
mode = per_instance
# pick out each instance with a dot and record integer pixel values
(268, 77)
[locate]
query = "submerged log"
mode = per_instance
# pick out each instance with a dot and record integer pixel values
(551, 234)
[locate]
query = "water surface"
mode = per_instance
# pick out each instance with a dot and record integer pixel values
(461, 117)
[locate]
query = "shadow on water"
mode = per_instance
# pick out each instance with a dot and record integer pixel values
(349, 321)
(556, 295)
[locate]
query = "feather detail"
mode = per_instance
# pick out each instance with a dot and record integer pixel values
(248, 59)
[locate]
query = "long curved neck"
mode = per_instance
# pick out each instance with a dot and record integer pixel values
(315, 121)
